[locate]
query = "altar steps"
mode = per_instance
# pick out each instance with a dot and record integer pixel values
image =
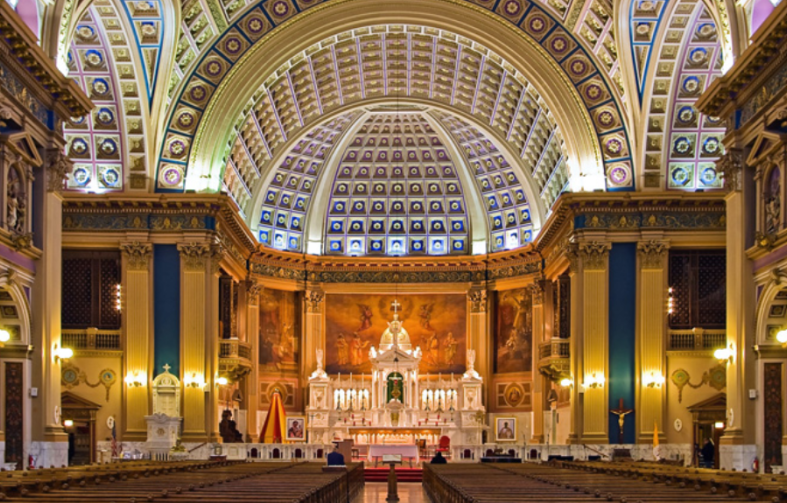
(380, 474)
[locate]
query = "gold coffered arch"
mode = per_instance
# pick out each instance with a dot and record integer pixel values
(255, 67)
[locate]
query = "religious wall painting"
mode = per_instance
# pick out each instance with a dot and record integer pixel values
(287, 389)
(434, 323)
(511, 395)
(280, 329)
(505, 429)
(514, 331)
(296, 429)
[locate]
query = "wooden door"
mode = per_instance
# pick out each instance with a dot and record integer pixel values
(773, 414)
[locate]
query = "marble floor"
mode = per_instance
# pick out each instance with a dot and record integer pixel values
(376, 492)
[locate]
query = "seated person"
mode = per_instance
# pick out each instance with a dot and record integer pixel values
(438, 459)
(335, 458)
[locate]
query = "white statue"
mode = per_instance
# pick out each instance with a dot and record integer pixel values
(372, 353)
(471, 372)
(320, 372)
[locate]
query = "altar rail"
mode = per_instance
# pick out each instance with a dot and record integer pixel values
(696, 339)
(91, 339)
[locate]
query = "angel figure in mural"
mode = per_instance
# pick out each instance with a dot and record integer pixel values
(342, 350)
(450, 348)
(357, 347)
(366, 317)
(516, 344)
(287, 342)
(426, 316)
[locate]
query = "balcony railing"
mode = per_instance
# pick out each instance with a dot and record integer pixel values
(555, 348)
(234, 348)
(91, 339)
(696, 339)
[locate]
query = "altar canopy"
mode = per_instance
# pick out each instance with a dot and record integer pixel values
(273, 429)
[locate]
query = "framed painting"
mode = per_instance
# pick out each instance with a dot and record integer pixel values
(296, 429)
(505, 429)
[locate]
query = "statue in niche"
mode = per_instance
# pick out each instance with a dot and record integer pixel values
(228, 429)
(773, 203)
(15, 205)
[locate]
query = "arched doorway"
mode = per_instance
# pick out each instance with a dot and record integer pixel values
(79, 421)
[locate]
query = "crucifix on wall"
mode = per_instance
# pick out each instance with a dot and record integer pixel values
(621, 412)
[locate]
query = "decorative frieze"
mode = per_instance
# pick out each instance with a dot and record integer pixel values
(194, 256)
(137, 255)
(652, 254)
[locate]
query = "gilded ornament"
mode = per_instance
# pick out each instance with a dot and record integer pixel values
(594, 255)
(137, 255)
(194, 256)
(652, 254)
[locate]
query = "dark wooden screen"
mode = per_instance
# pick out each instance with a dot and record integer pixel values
(564, 307)
(90, 280)
(698, 282)
(773, 415)
(228, 302)
(14, 414)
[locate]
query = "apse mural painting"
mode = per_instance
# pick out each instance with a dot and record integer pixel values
(514, 331)
(435, 323)
(280, 330)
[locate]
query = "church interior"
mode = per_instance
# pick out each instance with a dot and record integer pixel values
(541, 240)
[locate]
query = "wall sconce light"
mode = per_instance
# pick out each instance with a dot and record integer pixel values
(62, 353)
(670, 301)
(719, 425)
(5, 336)
(653, 380)
(594, 381)
(194, 381)
(135, 380)
(724, 355)
(222, 381)
(566, 382)
(781, 337)
(118, 297)
(68, 423)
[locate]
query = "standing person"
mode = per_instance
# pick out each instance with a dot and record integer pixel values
(438, 459)
(335, 458)
(708, 453)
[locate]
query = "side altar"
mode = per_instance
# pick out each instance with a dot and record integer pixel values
(396, 404)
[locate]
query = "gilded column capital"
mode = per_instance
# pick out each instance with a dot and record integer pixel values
(594, 255)
(58, 167)
(537, 289)
(194, 255)
(477, 300)
(137, 255)
(730, 167)
(652, 254)
(314, 301)
(572, 254)
(253, 292)
(217, 253)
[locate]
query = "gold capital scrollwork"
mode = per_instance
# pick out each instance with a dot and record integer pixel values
(594, 255)
(537, 290)
(652, 254)
(194, 256)
(58, 168)
(477, 300)
(730, 167)
(314, 301)
(253, 292)
(137, 255)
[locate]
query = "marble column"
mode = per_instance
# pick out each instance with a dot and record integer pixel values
(576, 347)
(252, 392)
(137, 344)
(595, 350)
(195, 315)
(651, 339)
(314, 333)
(737, 447)
(540, 383)
(478, 335)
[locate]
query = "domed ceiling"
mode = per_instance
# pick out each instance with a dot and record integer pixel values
(444, 148)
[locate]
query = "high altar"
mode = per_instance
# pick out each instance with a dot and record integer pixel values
(396, 404)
